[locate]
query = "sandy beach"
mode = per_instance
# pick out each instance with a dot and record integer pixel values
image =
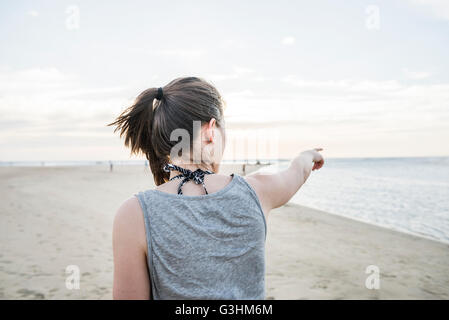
(53, 217)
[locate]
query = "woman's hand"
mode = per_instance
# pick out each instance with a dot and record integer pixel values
(316, 156)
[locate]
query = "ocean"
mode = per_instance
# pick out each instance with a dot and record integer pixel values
(404, 194)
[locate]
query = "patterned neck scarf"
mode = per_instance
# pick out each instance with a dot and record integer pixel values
(186, 175)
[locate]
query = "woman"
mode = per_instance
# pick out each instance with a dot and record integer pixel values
(198, 234)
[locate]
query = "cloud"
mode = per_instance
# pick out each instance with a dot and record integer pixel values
(44, 100)
(167, 52)
(42, 105)
(221, 76)
(438, 8)
(237, 72)
(288, 41)
(232, 44)
(179, 52)
(242, 70)
(243, 93)
(416, 75)
(260, 78)
(33, 13)
(244, 124)
(349, 105)
(353, 89)
(390, 95)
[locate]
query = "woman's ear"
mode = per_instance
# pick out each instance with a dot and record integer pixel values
(210, 131)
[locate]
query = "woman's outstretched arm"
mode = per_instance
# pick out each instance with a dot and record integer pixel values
(275, 190)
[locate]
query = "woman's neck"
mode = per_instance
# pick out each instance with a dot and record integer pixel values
(191, 167)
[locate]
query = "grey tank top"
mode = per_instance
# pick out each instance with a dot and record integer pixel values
(206, 247)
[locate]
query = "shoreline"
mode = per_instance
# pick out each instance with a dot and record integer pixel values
(407, 232)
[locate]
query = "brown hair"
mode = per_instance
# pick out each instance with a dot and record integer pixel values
(148, 123)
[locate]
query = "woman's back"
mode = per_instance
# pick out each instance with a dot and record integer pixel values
(205, 246)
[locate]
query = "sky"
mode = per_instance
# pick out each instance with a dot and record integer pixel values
(357, 78)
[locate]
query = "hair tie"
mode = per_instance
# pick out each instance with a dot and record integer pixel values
(159, 94)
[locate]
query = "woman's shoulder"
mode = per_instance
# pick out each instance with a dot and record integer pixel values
(262, 186)
(255, 180)
(129, 224)
(129, 209)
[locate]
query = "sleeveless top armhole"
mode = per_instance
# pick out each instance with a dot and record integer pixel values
(256, 198)
(140, 197)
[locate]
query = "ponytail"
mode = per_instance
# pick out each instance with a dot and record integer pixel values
(135, 124)
(147, 130)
